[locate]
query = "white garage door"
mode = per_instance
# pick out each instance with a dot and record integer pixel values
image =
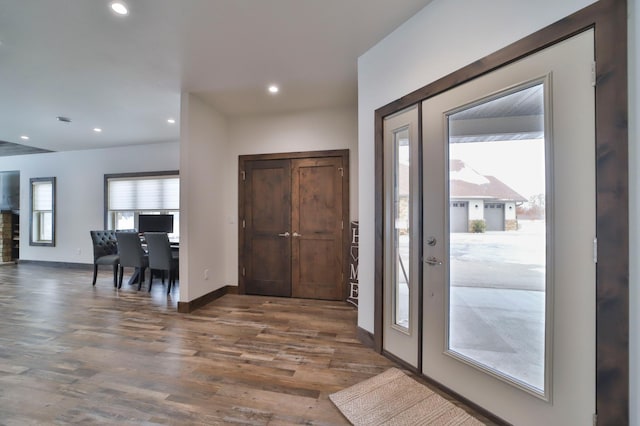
(458, 219)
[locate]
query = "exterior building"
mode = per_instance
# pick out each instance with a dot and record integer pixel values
(475, 197)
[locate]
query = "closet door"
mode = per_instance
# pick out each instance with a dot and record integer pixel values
(293, 216)
(316, 244)
(267, 228)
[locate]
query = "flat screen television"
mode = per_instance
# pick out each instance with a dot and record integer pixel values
(155, 223)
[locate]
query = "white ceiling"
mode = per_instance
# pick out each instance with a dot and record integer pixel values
(75, 58)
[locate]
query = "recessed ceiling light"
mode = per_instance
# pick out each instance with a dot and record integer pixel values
(97, 129)
(119, 7)
(273, 89)
(171, 121)
(24, 137)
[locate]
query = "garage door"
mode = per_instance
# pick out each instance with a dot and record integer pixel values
(458, 219)
(494, 216)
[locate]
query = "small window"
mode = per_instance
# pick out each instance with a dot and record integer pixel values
(43, 202)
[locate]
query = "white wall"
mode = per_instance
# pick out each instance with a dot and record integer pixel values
(80, 192)
(203, 183)
(312, 130)
(476, 213)
(443, 37)
(510, 211)
(634, 210)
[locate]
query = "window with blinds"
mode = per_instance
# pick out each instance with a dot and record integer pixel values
(42, 230)
(128, 196)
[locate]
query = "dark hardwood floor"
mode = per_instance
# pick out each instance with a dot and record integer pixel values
(73, 353)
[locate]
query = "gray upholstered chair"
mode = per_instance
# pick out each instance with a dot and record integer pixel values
(161, 257)
(105, 252)
(131, 255)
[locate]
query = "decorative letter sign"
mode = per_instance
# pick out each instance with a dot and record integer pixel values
(353, 264)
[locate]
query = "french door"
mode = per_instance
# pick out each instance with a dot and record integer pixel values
(508, 239)
(292, 225)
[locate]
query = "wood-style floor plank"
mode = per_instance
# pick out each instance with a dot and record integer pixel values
(71, 353)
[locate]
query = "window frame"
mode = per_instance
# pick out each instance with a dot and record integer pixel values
(38, 242)
(132, 175)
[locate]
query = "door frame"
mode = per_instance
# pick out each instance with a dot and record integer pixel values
(608, 18)
(341, 153)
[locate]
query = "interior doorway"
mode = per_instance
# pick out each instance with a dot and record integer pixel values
(294, 224)
(9, 216)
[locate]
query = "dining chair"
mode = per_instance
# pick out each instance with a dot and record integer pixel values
(132, 255)
(105, 252)
(161, 257)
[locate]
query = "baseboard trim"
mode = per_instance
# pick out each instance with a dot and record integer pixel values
(188, 307)
(65, 265)
(365, 338)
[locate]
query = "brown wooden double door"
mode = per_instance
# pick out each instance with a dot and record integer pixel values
(293, 215)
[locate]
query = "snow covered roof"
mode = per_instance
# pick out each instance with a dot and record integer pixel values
(465, 182)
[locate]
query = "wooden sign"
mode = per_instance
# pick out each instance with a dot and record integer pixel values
(353, 264)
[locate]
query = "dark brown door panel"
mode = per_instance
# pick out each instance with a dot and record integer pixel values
(267, 223)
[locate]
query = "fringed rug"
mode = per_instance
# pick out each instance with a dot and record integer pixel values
(393, 398)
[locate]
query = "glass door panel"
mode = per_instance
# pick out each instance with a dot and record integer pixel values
(401, 333)
(402, 228)
(497, 236)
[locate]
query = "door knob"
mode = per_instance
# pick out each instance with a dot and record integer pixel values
(285, 234)
(295, 234)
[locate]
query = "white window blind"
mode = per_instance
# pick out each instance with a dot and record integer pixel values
(42, 196)
(145, 193)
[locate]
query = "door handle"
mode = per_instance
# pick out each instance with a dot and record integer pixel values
(284, 234)
(295, 234)
(432, 261)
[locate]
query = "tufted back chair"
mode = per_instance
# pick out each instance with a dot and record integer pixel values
(104, 243)
(105, 252)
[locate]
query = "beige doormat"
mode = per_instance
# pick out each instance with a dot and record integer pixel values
(393, 398)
